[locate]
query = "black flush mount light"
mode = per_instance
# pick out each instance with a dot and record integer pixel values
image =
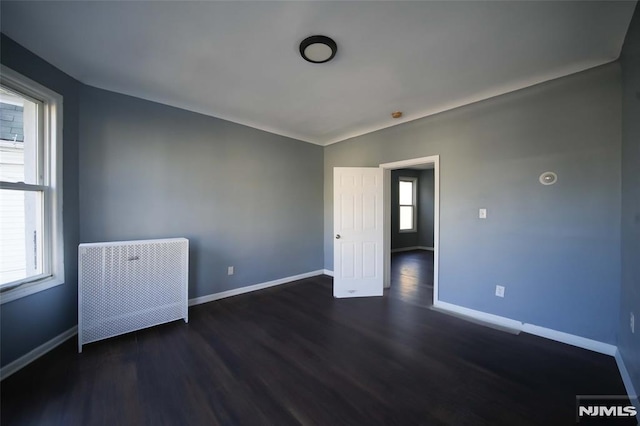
(318, 49)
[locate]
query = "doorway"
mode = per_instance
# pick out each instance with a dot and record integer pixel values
(410, 263)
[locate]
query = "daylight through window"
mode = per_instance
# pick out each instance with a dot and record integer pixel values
(407, 202)
(30, 220)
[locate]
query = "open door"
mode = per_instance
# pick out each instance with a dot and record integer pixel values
(358, 249)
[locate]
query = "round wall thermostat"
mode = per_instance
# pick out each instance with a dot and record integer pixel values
(548, 178)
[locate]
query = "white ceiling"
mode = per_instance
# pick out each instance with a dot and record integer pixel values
(239, 60)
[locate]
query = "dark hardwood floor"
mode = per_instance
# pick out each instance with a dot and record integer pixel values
(294, 355)
(412, 277)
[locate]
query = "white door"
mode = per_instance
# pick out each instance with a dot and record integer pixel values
(358, 251)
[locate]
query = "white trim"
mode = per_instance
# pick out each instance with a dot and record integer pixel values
(403, 164)
(435, 160)
(570, 339)
(399, 250)
(478, 315)
(36, 353)
(386, 228)
(21, 186)
(628, 384)
(133, 242)
(328, 272)
(558, 336)
(29, 288)
(547, 333)
(255, 287)
(52, 138)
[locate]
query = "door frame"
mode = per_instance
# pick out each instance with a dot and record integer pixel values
(435, 160)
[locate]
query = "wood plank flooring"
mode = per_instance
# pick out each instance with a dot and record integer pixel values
(412, 277)
(294, 355)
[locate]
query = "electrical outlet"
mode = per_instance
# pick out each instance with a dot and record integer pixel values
(482, 213)
(230, 270)
(500, 291)
(632, 323)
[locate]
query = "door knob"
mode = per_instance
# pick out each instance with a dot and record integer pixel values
(337, 236)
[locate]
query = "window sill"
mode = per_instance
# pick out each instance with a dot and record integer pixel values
(407, 231)
(30, 288)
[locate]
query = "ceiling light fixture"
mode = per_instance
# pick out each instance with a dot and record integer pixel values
(548, 178)
(318, 49)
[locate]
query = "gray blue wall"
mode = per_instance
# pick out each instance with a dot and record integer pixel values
(243, 197)
(555, 248)
(253, 200)
(629, 344)
(28, 322)
(424, 226)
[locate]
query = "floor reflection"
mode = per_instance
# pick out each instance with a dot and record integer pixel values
(412, 277)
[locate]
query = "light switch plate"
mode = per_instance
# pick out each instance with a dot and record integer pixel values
(482, 213)
(230, 270)
(500, 291)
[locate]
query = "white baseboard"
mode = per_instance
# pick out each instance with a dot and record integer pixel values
(478, 315)
(248, 289)
(547, 333)
(399, 250)
(327, 272)
(36, 353)
(570, 339)
(628, 384)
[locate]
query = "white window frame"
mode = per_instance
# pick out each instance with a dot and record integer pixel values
(414, 225)
(51, 185)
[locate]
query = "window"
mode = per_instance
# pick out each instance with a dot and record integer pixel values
(407, 201)
(30, 187)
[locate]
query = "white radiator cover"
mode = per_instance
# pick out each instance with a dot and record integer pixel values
(129, 285)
